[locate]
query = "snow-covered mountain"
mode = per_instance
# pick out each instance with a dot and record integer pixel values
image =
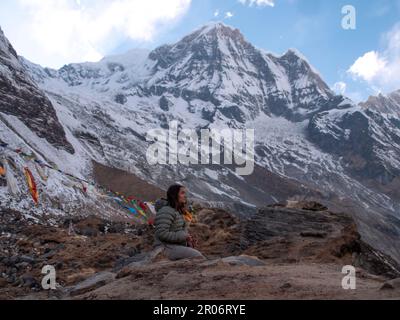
(20, 96)
(32, 124)
(309, 141)
(389, 104)
(367, 137)
(215, 70)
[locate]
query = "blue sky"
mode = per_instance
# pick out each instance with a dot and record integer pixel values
(356, 62)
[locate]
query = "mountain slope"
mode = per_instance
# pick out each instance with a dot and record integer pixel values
(216, 64)
(369, 141)
(20, 96)
(310, 143)
(280, 253)
(215, 71)
(389, 104)
(34, 134)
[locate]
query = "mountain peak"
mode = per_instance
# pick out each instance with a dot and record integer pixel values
(395, 93)
(7, 51)
(219, 29)
(298, 60)
(292, 52)
(4, 44)
(207, 43)
(215, 25)
(295, 56)
(386, 103)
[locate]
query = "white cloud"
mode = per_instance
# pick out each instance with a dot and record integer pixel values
(216, 13)
(229, 15)
(260, 3)
(381, 69)
(63, 31)
(368, 66)
(340, 87)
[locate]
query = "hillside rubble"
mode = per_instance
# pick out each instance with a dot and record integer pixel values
(281, 252)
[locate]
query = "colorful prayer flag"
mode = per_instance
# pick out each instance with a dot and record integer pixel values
(32, 185)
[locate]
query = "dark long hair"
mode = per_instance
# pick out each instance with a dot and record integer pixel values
(172, 197)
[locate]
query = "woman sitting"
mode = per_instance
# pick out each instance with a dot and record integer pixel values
(171, 227)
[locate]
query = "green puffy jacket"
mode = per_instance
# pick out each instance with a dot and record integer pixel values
(170, 226)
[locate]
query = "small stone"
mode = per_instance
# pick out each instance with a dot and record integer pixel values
(286, 286)
(17, 283)
(211, 263)
(244, 260)
(13, 260)
(313, 234)
(11, 279)
(3, 283)
(29, 281)
(93, 283)
(391, 285)
(22, 265)
(27, 259)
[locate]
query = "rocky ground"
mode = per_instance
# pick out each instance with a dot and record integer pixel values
(283, 252)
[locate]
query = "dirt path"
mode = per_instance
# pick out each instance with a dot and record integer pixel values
(188, 280)
(279, 254)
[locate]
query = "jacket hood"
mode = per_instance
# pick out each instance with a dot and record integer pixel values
(160, 203)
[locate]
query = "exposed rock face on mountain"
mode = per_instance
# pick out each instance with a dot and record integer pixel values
(21, 97)
(367, 139)
(279, 253)
(216, 64)
(77, 247)
(314, 235)
(389, 104)
(310, 143)
(216, 71)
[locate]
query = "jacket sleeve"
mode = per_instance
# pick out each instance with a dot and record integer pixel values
(163, 224)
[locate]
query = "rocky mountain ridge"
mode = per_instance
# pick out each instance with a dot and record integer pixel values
(284, 252)
(310, 143)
